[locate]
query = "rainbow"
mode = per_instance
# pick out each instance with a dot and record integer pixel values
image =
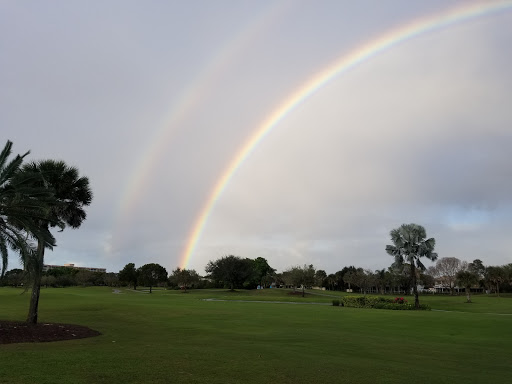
(342, 65)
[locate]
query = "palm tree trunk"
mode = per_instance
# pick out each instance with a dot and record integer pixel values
(468, 294)
(415, 286)
(36, 286)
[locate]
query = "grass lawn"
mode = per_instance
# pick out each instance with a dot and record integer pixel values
(176, 337)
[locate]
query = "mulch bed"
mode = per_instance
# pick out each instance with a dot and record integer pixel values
(20, 332)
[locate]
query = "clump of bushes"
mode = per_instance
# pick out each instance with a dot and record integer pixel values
(378, 302)
(336, 303)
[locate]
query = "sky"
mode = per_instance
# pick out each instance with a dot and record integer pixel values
(177, 113)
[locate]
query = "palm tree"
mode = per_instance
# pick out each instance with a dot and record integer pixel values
(22, 203)
(410, 243)
(71, 194)
(467, 279)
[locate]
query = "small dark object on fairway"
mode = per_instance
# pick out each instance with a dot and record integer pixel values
(21, 332)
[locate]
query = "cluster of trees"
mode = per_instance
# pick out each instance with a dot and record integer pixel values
(35, 199)
(236, 272)
(151, 275)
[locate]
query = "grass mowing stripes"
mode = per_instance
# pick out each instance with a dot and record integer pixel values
(172, 337)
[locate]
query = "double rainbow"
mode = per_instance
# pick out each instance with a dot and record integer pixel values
(342, 65)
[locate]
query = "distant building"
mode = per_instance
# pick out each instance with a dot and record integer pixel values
(47, 267)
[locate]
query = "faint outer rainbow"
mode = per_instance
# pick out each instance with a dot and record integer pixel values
(192, 95)
(343, 64)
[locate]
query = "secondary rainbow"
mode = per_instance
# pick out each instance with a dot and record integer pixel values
(342, 65)
(198, 89)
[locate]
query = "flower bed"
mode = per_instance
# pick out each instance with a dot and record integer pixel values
(377, 302)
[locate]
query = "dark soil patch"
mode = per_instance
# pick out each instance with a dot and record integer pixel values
(20, 332)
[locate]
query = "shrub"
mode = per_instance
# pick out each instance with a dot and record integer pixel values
(336, 303)
(380, 303)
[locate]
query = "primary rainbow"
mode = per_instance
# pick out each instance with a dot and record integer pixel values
(342, 65)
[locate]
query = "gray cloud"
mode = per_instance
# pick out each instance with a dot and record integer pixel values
(152, 101)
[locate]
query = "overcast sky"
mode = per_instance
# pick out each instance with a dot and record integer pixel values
(152, 100)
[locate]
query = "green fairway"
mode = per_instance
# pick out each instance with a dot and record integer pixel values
(176, 337)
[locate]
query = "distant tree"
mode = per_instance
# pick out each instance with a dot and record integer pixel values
(48, 281)
(427, 279)
(261, 269)
(410, 243)
(342, 283)
(110, 279)
(129, 274)
(152, 274)
(321, 278)
(477, 267)
(231, 271)
(302, 276)
(380, 280)
(84, 277)
(331, 282)
(350, 278)
(466, 279)
(495, 276)
(15, 277)
(446, 270)
(365, 279)
(183, 278)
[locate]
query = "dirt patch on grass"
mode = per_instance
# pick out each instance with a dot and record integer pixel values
(20, 332)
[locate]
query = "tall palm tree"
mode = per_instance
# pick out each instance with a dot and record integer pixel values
(22, 203)
(71, 194)
(410, 243)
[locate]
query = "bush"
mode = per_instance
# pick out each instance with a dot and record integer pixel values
(336, 303)
(379, 303)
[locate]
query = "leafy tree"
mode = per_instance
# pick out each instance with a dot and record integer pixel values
(446, 270)
(129, 274)
(84, 277)
(152, 274)
(350, 278)
(261, 269)
(71, 194)
(22, 203)
(365, 279)
(111, 279)
(231, 270)
(410, 243)
(340, 283)
(477, 267)
(320, 278)
(495, 276)
(466, 279)
(48, 280)
(380, 280)
(184, 278)
(15, 277)
(302, 276)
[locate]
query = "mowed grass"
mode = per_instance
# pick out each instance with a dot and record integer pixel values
(176, 337)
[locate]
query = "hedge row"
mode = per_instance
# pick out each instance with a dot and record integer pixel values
(376, 302)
